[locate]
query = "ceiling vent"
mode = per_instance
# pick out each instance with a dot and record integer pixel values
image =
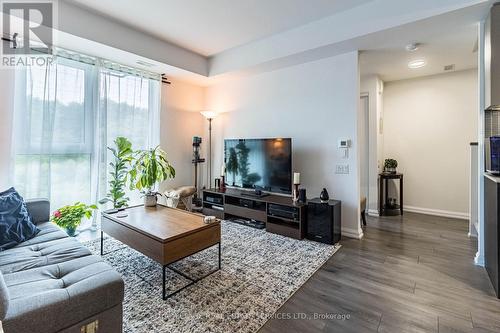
(449, 67)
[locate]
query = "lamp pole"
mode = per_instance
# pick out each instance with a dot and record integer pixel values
(209, 115)
(210, 152)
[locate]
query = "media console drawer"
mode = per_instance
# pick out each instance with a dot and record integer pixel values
(257, 215)
(284, 230)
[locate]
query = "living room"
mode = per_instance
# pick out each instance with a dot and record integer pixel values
(191, 167)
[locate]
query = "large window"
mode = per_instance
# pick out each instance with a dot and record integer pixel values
(66, 115)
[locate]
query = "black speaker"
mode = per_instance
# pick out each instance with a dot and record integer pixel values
(323, 221)
(302, 195)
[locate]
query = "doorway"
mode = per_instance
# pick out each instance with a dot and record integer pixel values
(364, 150)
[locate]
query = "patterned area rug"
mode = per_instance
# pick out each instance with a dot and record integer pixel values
(260, 271)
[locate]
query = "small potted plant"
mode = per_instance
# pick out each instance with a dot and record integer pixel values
(390, 165)
(69, 217)
(149, 168)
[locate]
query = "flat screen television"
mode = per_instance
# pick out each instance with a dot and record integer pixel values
(264, 164)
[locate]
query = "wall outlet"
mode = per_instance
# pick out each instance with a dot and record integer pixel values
(342, 169)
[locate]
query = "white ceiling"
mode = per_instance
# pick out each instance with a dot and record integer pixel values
(438, 49)
(209, 27)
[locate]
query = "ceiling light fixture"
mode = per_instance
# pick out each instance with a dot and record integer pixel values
(419, 63)
(412, 47)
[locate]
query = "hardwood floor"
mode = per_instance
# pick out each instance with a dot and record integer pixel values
(408, 274)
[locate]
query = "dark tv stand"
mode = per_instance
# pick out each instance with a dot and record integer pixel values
(279, 214)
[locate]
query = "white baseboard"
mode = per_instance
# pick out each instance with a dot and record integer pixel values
(437, 212)
(479, 259)
(352, 233)
(372, 212)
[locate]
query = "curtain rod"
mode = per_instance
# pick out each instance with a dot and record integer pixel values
(163, 79)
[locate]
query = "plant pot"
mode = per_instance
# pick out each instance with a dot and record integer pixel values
(71, 231)
(390, 170)
(150, 200)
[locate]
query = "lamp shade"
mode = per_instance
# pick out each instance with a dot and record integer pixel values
(209, 114)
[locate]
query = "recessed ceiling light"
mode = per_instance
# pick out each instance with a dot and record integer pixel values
(412, 47)
(417, 63)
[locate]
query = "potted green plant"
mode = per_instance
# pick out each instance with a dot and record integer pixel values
(149, 168)
(119, 167)
(390, 165)
(69, 217)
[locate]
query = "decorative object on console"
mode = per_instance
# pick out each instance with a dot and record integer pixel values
(222, 185)
(69, 217)
(217, 183)
(150, 167)
(196, 160)
(324, 221)
(390, 165)
(302, 195)
(210, 115)
(296, 183)
(324, 197)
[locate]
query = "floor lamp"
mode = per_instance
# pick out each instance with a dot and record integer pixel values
(209, 115)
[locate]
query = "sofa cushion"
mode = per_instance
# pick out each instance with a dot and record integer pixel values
(39, 210)
(4, 298)
(53, 297)
(15, 222)
(50, 247)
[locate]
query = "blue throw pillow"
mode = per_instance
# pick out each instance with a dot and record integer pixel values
(15, 223)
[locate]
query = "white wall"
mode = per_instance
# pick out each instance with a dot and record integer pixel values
(373, 87)
(180, 121)
(428, 125)
(315, 104)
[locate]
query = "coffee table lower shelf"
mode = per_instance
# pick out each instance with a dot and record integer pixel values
(192, 280)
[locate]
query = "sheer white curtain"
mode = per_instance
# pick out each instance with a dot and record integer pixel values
(65, 116)
(53, 132)
(131, 105)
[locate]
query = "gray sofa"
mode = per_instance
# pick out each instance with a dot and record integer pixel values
(52, 283)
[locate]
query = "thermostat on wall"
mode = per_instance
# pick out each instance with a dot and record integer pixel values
(344, 143)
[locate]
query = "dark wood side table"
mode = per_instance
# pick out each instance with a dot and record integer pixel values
(385, 208)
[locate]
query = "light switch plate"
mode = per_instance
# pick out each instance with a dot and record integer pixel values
(342, 169)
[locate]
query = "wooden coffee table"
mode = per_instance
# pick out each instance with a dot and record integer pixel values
(163, 234)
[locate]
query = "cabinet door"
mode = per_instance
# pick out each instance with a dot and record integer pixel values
(491, 231)
(319, 222)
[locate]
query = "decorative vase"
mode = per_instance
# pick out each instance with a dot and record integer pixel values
(390, 170)
(150, 200)
(324, 197)
(71, 231)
